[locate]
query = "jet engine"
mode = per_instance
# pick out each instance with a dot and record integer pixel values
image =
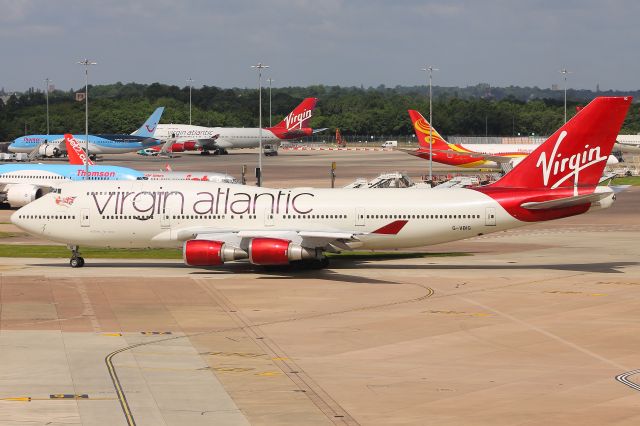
(190, 145)
(46, 150)
(209, 253)
(22, 194)
(177, 147)
(275, 251)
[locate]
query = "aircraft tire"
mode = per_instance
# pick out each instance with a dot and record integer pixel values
(76, 262)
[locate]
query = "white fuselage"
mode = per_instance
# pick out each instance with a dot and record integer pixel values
(514, 150)
(153, 214)
(224, 137)
(501, 148)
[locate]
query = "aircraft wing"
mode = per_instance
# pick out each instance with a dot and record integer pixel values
(453, 154)
(326, 240)
(560, 203)
(149, 142)
(206, 144)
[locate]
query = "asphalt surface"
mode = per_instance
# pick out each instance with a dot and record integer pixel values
(532, 326)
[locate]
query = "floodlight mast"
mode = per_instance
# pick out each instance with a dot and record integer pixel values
(46, 95)
(430, 69)
(259, 66)
(564, 72)
(190, 81)
(87, 63)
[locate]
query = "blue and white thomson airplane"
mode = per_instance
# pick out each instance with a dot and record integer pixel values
(54, 146)
(21, 184)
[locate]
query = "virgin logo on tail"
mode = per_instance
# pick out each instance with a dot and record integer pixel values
(556, 165)
(293, 121)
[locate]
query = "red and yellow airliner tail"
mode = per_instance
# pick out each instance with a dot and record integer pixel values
(422, 128)
(442, 151)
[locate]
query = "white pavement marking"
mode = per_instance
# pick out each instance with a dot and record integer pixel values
(547, 333)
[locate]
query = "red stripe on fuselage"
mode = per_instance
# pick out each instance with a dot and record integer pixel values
(392, 228)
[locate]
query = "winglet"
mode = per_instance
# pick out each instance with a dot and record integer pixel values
(76, 154)
(392, 228)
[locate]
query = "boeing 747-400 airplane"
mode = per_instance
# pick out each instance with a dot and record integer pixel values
(214, 223)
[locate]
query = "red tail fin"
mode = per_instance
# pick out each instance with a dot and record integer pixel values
(421, 127)
(300, 116)
(76, 154)
(576, 154)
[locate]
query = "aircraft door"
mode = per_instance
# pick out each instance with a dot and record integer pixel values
(490, 216)
(165, 220)
(268, 217)
(359, 220)
(84, 217)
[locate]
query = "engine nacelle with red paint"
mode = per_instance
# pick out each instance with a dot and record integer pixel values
(190, 145)
(276, 251)
(209, 253)
(177, 147)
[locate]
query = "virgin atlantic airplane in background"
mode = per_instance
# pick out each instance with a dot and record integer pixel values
(215, 222)
(219, 139)
(486, 156)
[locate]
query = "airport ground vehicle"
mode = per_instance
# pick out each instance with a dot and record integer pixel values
(390, 144)
(215, 223)
(270, 150)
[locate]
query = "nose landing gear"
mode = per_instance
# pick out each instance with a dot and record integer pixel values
(76, 260)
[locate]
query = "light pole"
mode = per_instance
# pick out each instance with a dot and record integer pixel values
(564, 72)
(431, 70)
(190, 81)
(270, 80)
(46, 95)
(260, 66)
(86, 64)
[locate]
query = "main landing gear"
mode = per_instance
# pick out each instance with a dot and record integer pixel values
(300, 265)
(217, 151)
(76, 260)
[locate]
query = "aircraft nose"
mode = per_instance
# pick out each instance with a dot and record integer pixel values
(20, 218)
(16, 218)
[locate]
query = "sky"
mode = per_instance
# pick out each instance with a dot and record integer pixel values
(331, 42)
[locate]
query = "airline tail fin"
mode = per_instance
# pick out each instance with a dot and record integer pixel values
(299, 118)
(149, 127)
(76, 154)
(576, 154)
(422, 127)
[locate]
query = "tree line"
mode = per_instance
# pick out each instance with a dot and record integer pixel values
(474, 111)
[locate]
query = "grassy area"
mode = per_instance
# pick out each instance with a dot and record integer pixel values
(51, 251)
(627, 180)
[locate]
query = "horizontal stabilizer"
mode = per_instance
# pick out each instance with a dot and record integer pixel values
(625, 147)
(560, 203)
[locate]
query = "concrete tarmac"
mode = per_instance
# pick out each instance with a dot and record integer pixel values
(524, 327)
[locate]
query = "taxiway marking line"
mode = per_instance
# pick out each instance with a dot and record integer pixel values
(547, 333)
